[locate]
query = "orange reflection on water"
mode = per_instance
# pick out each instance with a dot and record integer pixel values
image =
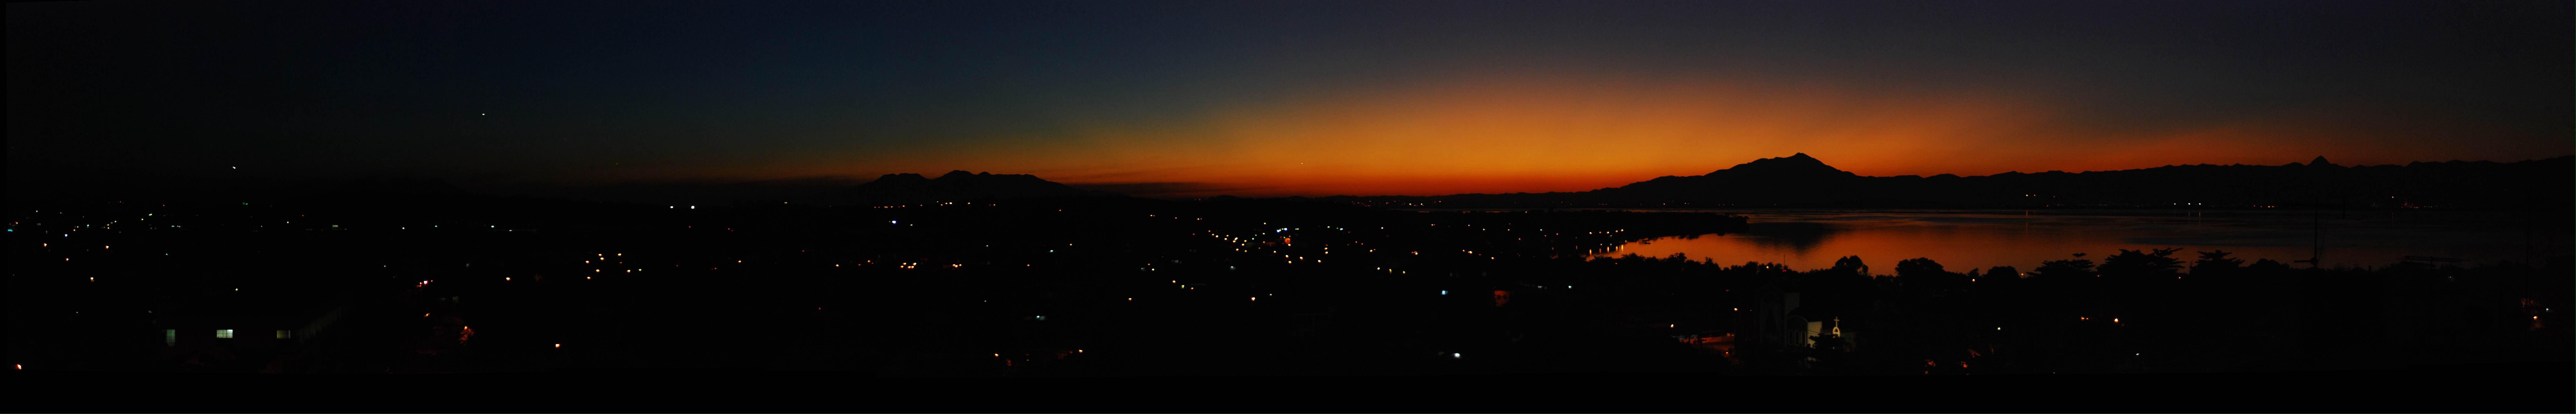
(1960, 241)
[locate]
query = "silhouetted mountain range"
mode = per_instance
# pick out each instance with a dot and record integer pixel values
(1797, 180)
(1803, 181)
(955, 186)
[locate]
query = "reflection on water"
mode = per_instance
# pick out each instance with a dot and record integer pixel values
(1961, 240)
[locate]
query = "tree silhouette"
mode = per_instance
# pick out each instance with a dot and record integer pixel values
(1851, 264)
(1926, 274)
(1920, 266)
(2215, 262)
(2065, 268)
(2133, 263)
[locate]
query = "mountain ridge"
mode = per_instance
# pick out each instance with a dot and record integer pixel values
(1802, 180)
(957, 185)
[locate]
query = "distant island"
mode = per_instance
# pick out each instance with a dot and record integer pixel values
(1803, 181)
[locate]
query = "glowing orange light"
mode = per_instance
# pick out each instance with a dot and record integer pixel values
(558, 345)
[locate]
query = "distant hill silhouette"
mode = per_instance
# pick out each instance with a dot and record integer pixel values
(907, 188)
(1803, 181)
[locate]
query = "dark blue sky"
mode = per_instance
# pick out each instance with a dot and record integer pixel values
(120, 92)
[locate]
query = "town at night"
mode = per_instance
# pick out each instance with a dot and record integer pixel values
(1629, 206)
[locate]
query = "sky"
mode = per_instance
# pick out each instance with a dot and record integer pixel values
(1257, 98)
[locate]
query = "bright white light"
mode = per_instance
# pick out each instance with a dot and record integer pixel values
(1444, 292)
(1454, 355)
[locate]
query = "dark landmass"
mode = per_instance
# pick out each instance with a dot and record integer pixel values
(1012, 276)
(1802, 181)
(1113, 286)
(956, 186)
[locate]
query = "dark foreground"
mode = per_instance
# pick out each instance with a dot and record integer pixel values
(1251, 292)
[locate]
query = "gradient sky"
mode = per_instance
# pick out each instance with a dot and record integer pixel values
(1266, 98)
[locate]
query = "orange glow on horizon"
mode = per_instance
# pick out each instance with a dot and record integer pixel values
(1504, 134)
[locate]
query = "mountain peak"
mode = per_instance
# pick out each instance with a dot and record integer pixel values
(958, 185)
(1795, 164)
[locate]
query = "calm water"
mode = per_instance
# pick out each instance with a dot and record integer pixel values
(1964, 239)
